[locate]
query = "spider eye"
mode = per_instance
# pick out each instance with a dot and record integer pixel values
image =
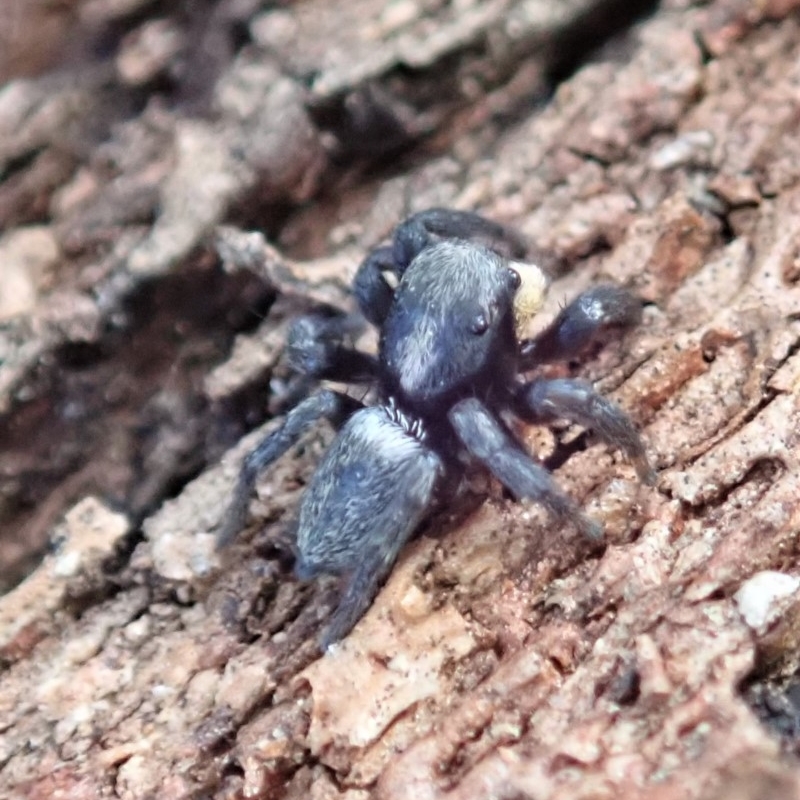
(514, 278)
(480, 324)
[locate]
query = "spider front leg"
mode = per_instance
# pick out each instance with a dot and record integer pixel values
(315, 348)
(413, 235)
(590, 314)
(373, 291)
(370, 287)
(331, 405)
(544, 400)
(487, 440)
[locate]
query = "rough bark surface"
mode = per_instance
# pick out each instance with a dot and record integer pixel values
(176, 185)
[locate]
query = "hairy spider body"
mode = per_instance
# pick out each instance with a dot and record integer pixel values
(447, 369)
(377, 474)
(450, 330)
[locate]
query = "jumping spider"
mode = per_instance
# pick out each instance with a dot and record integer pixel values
(448, 309)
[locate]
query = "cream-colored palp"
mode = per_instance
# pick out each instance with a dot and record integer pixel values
(530, 295)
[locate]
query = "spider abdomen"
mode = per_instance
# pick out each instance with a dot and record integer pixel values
(377, 477)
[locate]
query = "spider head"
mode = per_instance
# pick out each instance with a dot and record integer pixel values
(452, 326)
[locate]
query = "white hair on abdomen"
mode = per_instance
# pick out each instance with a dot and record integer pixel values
(391, 433)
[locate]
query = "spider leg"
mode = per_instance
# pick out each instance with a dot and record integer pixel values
(487, 440)
(370, 287)
(542, 400)
(314, 348)
(595, 311)
(372, 290)
(415, 234)
(331, 405)
(373, 567)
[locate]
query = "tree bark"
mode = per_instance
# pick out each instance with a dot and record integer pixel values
(167, 213)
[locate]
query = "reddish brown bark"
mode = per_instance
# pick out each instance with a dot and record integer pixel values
(502, 659)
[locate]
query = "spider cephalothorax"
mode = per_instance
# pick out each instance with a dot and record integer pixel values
(448, 366)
